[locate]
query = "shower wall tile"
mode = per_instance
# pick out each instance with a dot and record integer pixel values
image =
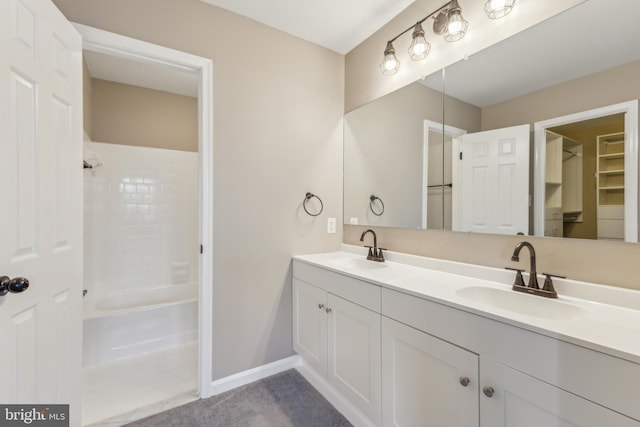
(140, 218)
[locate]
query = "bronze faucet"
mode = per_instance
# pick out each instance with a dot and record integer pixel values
(533, 278)
(375, 253)
(532, 288)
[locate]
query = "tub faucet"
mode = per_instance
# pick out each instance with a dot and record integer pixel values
(375, 253)
(533, 279)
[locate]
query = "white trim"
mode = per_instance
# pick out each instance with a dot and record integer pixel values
(255, 374)
(630, 109)
(113, 44)
(448, 130)
(342, 405)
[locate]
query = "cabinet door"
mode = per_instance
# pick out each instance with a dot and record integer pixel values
(310, 324)
(423, 380)
(354, 354)
(519, 400)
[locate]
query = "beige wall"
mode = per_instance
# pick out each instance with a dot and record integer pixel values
(132, 115)
(611, 263)
(278, 105)
(87, 100)
(616, 85)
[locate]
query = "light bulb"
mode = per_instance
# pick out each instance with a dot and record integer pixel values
(390, 63)
(456, 26)
(496, 9)
(419, 48)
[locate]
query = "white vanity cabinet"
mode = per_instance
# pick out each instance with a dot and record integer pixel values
(429, 382)
(336, 324)
(519, 378)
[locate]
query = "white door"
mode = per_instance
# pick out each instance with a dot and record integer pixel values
(491, 181)
(518, 400)
(41, 215)
(354, 354)
(426, 381)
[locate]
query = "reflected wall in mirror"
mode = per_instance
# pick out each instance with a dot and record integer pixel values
(385, 157)
(555, 70)
(394, 150)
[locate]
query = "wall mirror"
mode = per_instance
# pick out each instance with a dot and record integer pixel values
(573, 89)
(393, 152)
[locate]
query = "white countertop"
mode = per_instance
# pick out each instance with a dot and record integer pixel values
(599, 317)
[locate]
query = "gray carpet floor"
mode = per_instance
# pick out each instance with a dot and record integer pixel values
(282, 400)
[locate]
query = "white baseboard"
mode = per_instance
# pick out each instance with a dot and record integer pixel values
(346, 408)
(251, 375)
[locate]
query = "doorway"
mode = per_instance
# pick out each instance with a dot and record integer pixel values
(601, 202)
(122, 47)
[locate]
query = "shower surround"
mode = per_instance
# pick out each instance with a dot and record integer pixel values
(141, 251)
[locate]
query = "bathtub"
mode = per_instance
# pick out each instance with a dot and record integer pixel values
(124, 324)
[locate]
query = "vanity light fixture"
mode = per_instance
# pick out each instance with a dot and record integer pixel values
(447, 22)
(496, 9)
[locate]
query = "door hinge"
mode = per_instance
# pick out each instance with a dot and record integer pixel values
(201, 249)
(461, 155)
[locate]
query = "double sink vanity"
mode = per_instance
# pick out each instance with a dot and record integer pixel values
(415, 341)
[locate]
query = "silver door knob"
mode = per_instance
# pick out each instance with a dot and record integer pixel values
(320, 306)
(464, 381)
(488, 391)
(328, 310)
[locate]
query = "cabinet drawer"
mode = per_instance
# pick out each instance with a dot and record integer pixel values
(553, 213)
(608, 380)
(362, 293)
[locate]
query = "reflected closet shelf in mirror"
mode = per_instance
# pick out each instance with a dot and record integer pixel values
(610, 178)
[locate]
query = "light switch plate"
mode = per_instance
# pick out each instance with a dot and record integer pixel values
(331, 225)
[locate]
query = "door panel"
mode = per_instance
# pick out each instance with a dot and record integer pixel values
(354, 354)
(41, 219)
(421, 380)
(491, 187)
(519, 400)
(310, 324)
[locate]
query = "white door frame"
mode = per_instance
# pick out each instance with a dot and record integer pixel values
(100, 41)
(630, 110)
(454, 133)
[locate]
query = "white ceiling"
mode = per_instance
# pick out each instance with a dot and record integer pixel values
(339, 25)
(591, 37)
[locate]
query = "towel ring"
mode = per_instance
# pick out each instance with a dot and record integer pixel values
(308, 197)
(371, 203)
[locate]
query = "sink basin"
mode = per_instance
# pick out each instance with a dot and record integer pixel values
(529, 305)
(356, 263)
